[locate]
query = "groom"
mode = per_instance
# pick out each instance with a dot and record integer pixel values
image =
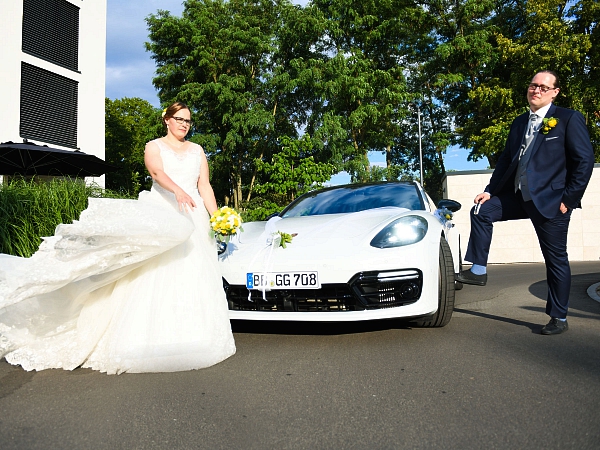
(541, 175)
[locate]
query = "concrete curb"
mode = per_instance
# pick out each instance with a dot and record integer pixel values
(593, 292)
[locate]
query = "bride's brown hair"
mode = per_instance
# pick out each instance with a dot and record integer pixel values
(172, 110)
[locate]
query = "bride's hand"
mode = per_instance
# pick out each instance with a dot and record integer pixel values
(185, 202)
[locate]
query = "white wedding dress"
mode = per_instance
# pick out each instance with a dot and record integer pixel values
(133, 286)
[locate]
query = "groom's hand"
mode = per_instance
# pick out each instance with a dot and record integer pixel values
(482, 198)
(563, 208)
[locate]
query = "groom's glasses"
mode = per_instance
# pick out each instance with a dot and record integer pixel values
(181, 120)
(543, 89)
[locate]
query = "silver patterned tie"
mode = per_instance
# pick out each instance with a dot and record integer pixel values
(529, 134)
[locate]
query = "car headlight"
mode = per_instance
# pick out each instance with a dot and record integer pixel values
(404, 231)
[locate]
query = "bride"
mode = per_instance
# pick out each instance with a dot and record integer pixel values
(133, 286)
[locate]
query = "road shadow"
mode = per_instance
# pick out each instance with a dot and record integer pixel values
(534, 327)
(580, 304)
(574, 310)
(317, 328)
(14, 379)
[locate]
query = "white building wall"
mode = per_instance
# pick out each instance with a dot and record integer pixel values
(11, 19)
(516, 241)
(90, 78)
(92, 65)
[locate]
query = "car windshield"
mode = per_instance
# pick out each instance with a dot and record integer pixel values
(354, 198)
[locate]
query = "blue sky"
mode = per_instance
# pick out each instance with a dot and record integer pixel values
(129, 68)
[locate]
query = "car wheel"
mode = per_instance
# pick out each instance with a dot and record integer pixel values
(445, 289)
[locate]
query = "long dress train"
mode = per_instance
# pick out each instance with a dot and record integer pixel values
(133, 286)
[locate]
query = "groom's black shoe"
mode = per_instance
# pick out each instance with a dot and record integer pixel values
(468, 277)
(555, 326)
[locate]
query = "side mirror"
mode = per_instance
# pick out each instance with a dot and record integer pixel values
(452, 205)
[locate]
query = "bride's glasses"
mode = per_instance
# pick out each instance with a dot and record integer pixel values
(181, 120)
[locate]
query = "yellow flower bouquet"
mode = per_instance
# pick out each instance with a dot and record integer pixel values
(224, 223)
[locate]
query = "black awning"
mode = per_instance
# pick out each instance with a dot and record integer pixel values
(32, 159)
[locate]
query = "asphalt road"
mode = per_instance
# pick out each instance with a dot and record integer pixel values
(487, 380)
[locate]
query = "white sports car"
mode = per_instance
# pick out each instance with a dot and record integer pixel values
(357, 252)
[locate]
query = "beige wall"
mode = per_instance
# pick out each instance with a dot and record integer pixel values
(515, 241)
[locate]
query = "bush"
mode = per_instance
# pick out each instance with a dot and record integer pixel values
(30, 210)
(259, 209)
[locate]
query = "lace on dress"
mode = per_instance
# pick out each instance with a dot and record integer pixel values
(133, 285)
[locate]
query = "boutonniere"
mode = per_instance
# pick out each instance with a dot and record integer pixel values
(548, 124)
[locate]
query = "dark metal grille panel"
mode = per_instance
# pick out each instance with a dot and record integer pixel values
(48, 107)
(330, 298)
(388, 289)
(51, 31)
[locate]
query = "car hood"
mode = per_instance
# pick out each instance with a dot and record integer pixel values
(309, 229)
(316, 237)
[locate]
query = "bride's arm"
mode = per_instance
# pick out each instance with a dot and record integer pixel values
(204, 187)
(154, 165)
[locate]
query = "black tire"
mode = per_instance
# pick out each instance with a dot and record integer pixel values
(446, 294)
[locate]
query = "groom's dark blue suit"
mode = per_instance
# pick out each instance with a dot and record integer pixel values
(558, 171)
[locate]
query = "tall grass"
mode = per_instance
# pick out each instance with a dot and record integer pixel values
(30, 210)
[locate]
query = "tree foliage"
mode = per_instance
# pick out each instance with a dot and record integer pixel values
(226, 60)
(293, 171)
(585, 82)
(354, 77)
(488, 51)
(361, 80)
(129, 124)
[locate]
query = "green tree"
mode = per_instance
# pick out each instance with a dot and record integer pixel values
(351, 74)
(459, 59)
(361, 81)
(586, 17)
(129, 124)
(293, 170)
(486, 51)
(435, 132)
(227, 61)
(548, 41)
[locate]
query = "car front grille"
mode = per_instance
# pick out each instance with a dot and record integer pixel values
(365, 290)
(331, 297)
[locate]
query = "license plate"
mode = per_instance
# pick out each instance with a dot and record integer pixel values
(283, 280)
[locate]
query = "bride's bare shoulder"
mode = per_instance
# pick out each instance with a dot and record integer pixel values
(152, 146)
